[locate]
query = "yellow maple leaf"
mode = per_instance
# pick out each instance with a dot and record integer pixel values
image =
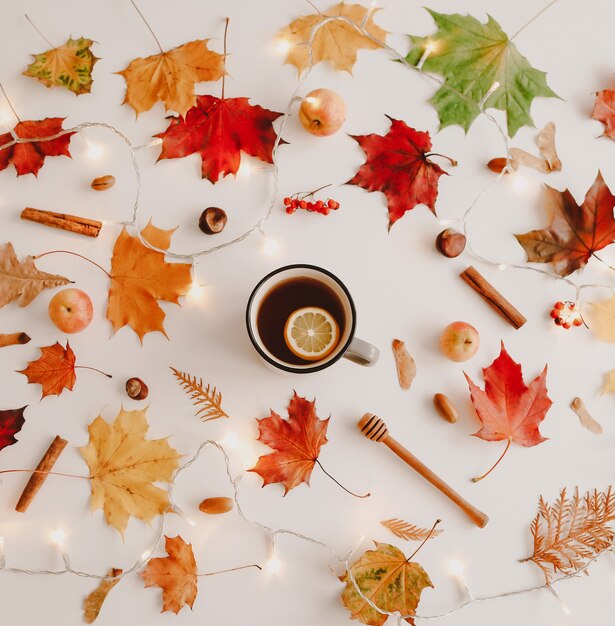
(124, 467)
(140, 277)
(608, 386)
(170, 76)
(601, 317)
(337, 41)
(67, 66)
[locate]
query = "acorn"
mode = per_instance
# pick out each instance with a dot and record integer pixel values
(216, 506)
(103, 183)
(136, 389)
(450, 243)
(212, 220)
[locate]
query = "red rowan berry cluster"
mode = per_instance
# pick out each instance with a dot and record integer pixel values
(566, 314)
(299, 201)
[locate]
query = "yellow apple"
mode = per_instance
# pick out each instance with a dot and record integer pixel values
(322, 112)
(71, 310)
(459, 341)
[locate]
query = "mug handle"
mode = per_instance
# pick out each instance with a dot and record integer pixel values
(361, 352)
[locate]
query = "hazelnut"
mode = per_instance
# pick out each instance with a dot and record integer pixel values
(450, 242)
(103, 182)
(212, 220)
(136, 389)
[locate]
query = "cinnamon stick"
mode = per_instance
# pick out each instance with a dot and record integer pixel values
(63, 221)
(493, 297)
(40, 475)
(13, 339)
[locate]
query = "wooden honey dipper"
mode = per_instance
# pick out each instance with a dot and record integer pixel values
(375, 429)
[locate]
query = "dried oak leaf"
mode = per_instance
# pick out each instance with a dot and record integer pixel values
(220, 130)
(69, 65)
(507, 408)
(21, 280)
(92, 603)
(11, 422)
(54, 370)
(398, 165)
(124, 466)
(170, 76)
(29, 157)
(388, 580)
(296, 441)
(473, 58)
(175, 574)
(604, 111)
(336, 42)
(572, 532)
(576, 232)
(601, 318)
(140, 277)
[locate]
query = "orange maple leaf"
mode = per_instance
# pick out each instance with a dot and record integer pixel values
(297, 442)
(54, 369)
(139, 277)
(175, 574)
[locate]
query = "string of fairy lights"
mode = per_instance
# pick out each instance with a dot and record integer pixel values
(274, 565)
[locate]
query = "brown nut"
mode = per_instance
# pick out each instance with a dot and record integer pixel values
(216, 506)
(136, 389)
(212, 220)
(103, 182)
(450, 242)
(445, 408)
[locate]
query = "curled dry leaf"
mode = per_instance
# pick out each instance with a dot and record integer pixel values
(336, 42)
(69, 66)
(175, 574)
(388, 580)
(571, 532)
(21, 280)
(587, 421)
(409, 532)
(92, 603)
(406, 367)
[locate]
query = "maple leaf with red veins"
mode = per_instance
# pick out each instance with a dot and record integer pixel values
(576, 232)
(398, 165)
(507, 408)
(29, 157)
(604, 111)
(11, 422)
(219, 130)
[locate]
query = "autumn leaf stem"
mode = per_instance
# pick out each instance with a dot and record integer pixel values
(443, 156)
(134, 4)
(314, 6)
(367, 495)
(86, 367)
(85, 258)
(36, 28)
(231, 569)
(8, 101)
(478, 478)
(228, 19)
(28, 471)
(311, 193)
(603, 261)
(424, 540)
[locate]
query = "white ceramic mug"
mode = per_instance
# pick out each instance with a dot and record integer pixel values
(349, 346)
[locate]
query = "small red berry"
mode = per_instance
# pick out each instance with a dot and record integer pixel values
(326, 210)
(558, 321)
(330, 203)
(336, 204)
(302, 204)
(578, 321)
(559, 306)
(294, 203)
(290, 210)
(566, 325)
(287, 200)
(554, 313)
(319, 204)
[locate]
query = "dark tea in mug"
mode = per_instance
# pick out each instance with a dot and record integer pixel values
(286, 298)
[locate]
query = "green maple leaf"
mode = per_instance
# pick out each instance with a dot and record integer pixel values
(472, 57)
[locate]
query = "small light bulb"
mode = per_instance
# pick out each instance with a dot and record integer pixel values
(456, 568)
(502, 267)
(373, 4)
(191, 522)
(282, 46)
(245, 171)
(5, 117)
(94, 150)
(196, 291)
(1, 543)
(274, 565)
(58, 537)
(520, 184)
(270, 246)
(231, 440)
(566, 609)
(145, 556)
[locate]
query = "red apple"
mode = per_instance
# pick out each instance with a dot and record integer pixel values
(459, 341)
(71, 310)
(322, 112)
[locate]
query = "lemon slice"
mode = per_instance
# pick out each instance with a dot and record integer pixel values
(311, 333)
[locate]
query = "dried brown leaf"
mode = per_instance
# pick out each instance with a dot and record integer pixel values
(207, 398)
(409, 532)
(93, 602)
(406, 367)
(587, 421)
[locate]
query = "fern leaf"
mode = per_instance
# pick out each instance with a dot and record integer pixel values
(407, 531)
(572, 532)
(207, 399)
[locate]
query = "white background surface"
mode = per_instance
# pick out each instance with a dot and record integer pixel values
(402, 288)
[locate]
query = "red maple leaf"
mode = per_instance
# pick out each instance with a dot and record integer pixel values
(219, 130)
(398, 165)
(29, 157)
(11, 422)
(54, 369)
(297, 442)
(604, 111)
(507, 408)
(576, 232)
